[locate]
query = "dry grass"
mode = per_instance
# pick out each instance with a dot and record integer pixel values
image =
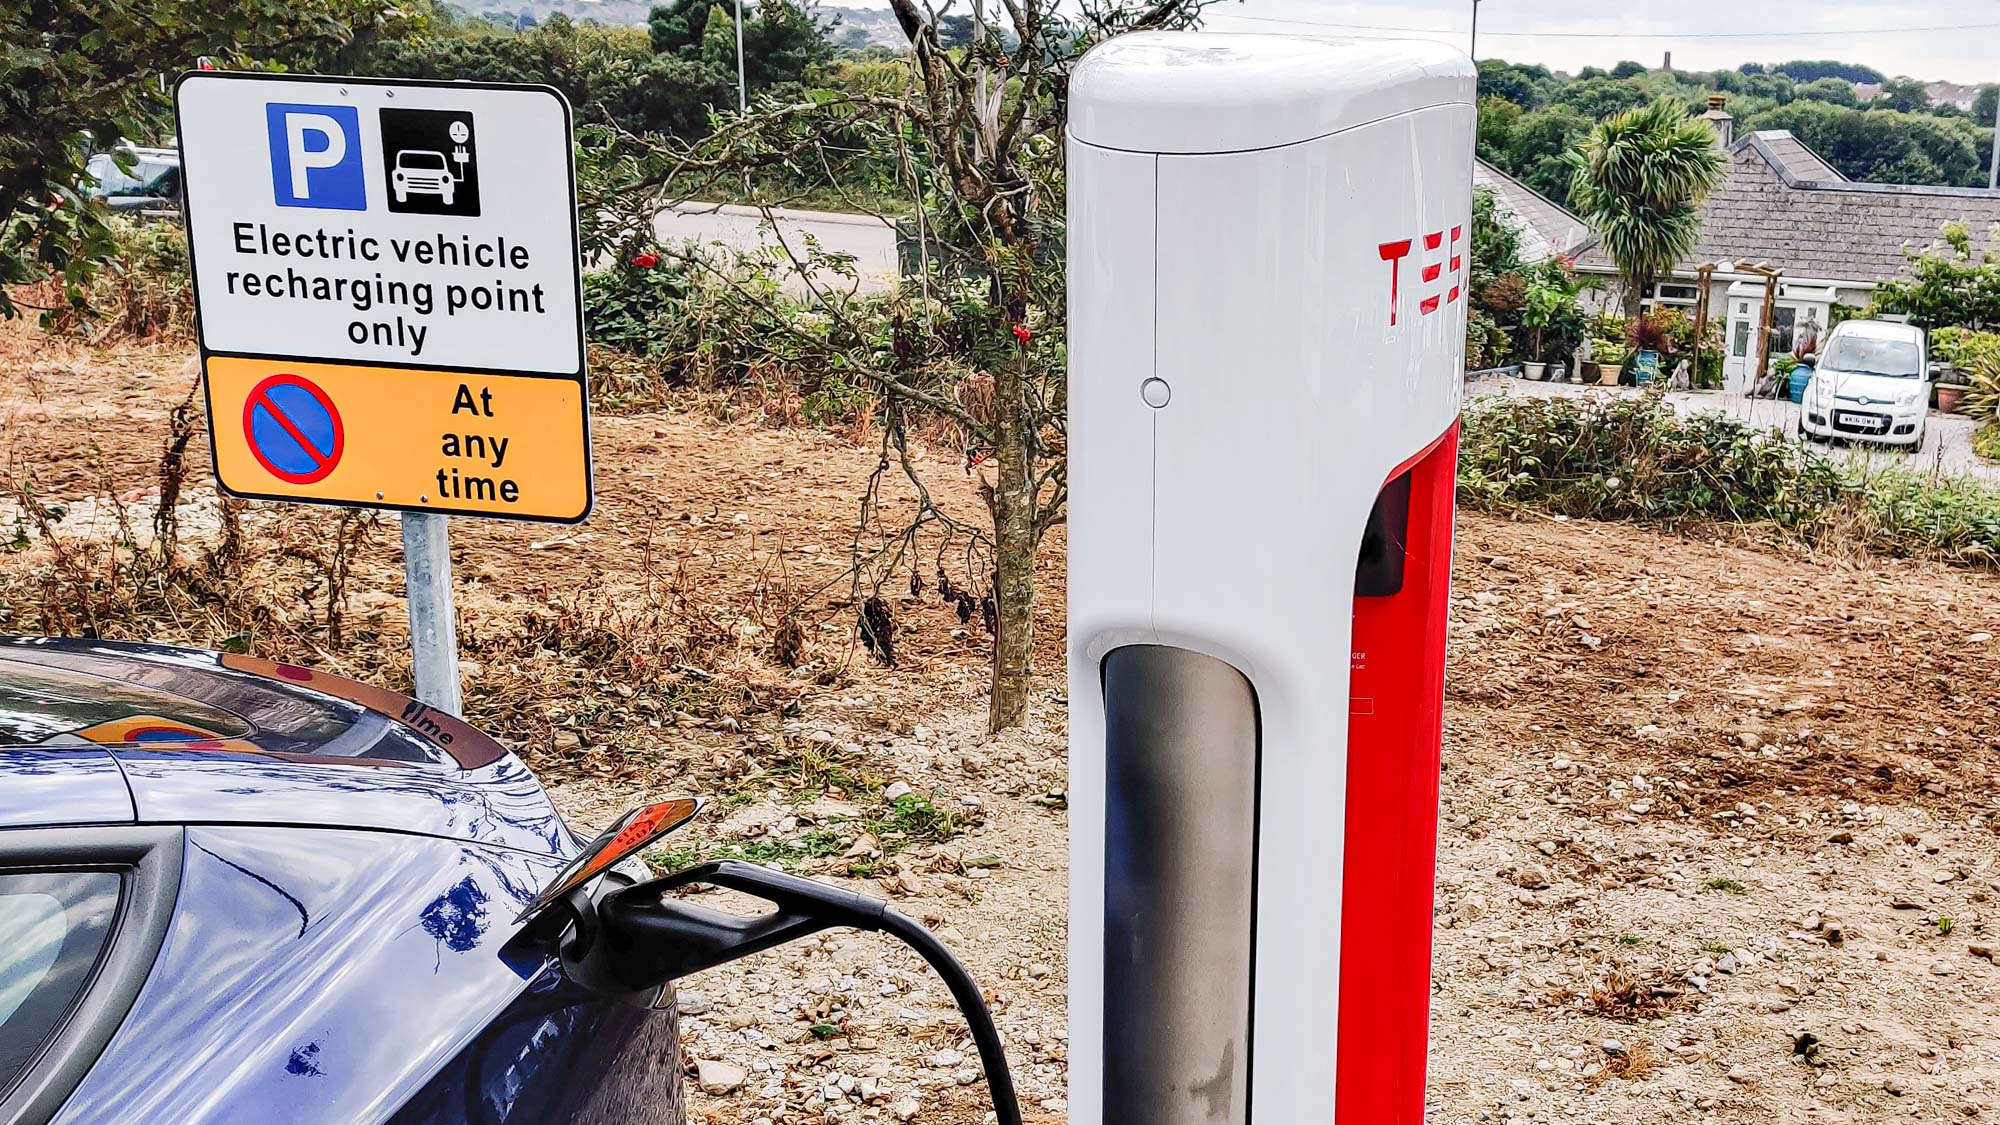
(1632, 996)
(1633, 1064)
(583, 678)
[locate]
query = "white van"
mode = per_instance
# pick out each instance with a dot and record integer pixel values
(1871, 383)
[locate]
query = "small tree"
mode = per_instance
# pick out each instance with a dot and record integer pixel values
(1946, 284)
(1639, 179)
(82, 77)
(972, 345)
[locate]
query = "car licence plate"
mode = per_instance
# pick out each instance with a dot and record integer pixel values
(1861, 421)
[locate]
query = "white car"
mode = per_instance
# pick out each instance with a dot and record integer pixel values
(422, 171)
(1870, 385)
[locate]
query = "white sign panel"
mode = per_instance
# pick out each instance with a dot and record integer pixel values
(349, 220)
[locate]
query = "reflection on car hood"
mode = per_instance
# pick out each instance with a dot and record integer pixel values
(203, 736)
(1875, 388)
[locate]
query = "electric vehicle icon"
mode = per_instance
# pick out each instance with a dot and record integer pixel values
(422, 172)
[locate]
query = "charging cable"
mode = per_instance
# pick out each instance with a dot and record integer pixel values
(644, 940)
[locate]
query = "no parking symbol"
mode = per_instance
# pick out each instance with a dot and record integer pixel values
(293, 428)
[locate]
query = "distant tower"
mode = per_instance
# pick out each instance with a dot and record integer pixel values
(1668, 62)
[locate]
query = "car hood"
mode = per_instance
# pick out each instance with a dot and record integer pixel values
(1876, 389)
(203, 737)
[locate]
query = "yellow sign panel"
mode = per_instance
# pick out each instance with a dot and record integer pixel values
(480, 445)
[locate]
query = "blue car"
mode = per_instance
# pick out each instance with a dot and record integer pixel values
(239, 891)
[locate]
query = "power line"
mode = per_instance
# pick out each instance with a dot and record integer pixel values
(1364, 27)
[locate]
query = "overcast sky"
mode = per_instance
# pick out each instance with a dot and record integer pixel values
(1889, 36)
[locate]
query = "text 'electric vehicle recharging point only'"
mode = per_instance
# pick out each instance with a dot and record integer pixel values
(1268, 242)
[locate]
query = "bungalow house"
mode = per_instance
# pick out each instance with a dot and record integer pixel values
(1834, 240)
(1547, 229)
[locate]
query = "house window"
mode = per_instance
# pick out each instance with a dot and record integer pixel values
(1672, 294)
(1783, 320)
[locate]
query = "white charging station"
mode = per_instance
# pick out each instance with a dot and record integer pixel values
(1267, 269)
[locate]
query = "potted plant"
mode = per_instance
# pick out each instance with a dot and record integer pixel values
(1539, 306)
(1607, 331)
(1958, 356)
(1649, 337)
(1951, 387)
(1609, 351)
(1784, 376)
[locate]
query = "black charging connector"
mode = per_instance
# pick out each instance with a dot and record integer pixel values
(640, 940)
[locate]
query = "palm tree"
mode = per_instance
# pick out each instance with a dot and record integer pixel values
(1639, 179)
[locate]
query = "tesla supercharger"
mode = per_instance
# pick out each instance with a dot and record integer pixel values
(1267, 271)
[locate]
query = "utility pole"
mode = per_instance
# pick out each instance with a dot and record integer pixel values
(1474, 49)
(1993, 172)
(742, 90)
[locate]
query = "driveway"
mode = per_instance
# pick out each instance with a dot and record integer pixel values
(1947, 437)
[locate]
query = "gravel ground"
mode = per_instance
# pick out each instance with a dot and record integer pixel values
(1716, 848)
(1947, 437)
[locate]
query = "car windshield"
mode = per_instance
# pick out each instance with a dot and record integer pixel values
(431, 161)
(147, 177)
(1863, 355)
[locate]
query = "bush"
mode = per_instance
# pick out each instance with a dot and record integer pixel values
(1638, 459)
(1981, 376)
(633, 308)
(147, 289)
(1951, 518)
(1986, 442)
(716, 320)
(1965, 348)
(1487, 344)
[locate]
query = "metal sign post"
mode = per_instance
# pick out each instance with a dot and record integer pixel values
(433, 625)
(388, 300)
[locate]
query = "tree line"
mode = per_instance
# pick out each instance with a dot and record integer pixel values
(1530, 117)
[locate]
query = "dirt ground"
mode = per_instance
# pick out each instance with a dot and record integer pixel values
(1717, 838)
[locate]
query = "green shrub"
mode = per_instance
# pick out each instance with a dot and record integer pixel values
(1950, 518)
(1638, 459)
(1981, 375)
(145, 290)
(717, 320)
(1963, 347)
(632, 308)
(1986, 442)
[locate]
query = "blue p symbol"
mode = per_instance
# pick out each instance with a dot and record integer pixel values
(316, 156)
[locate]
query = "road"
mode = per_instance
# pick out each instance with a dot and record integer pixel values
(871, 240)
(1947, 437)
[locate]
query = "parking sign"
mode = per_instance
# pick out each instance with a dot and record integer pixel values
(316, 156)
(387, 292)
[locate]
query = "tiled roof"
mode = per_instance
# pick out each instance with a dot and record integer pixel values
(1547, 230)
(1771, 207)
(1798, 161)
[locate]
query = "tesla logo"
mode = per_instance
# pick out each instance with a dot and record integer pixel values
(1434, 259)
